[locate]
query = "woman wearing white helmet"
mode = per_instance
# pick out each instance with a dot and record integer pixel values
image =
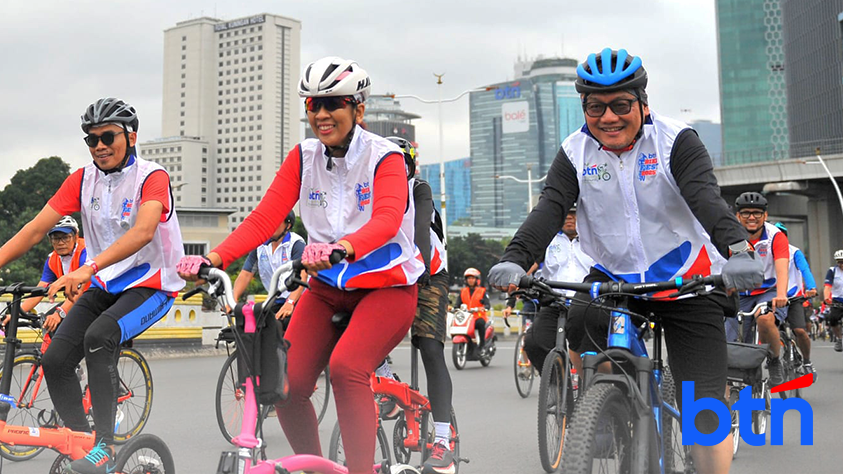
(354, 195)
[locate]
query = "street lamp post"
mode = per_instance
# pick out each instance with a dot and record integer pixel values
(529, 182)
(439, 102)
(830, 176)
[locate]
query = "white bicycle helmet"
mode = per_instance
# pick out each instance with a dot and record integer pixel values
(838, 255)
(65, 225)
(333, 76)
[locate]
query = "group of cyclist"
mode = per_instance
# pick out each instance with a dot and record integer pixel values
(654, 212)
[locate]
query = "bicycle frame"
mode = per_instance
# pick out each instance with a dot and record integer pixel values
(411, 402)
(72, 443)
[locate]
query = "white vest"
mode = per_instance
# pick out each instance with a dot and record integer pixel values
(438, 255)
(338, 202)
(794, 276)
(837, 284)
(269, 261)
(564, 260)
(631, 216)
(764, 250)
(110, 205)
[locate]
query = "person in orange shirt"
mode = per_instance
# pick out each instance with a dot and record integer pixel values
(475, 298)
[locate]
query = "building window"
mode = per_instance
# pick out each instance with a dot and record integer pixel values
(183, 47)
(184, 38)
(194, 249)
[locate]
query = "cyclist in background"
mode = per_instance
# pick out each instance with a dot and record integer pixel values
(800, 283)
(648, 209)
(355, 198)
(474, 296)
(133, 245)
(529, 307)
(564, 261)
(833, 293)
(773, 249)
(68, 255)
(283, 246)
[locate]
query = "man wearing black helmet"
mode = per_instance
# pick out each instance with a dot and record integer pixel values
(133, 244)
(283, 246)
(773, 249)
(648, 209)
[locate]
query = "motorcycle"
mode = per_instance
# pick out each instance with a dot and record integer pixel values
(465, 340)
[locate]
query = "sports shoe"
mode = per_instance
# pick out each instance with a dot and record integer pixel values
(388, 409)
(440, 461)
(809, 369)
(838, 345)
(774, 366)
(99, 460)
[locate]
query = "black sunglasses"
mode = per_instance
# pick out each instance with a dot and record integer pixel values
(748, 214)
(107, 138)
(618, 106)
(313, 104)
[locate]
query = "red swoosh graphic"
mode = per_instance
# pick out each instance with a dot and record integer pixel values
(801, 382)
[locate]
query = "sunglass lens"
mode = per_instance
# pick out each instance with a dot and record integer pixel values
(107, 139)
(329, 103)
(621, 107)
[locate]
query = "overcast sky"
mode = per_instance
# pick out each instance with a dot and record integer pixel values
(59, 56)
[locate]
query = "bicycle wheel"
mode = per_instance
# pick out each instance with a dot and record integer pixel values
(60, 465)
(760, 417)
(145, 454)
(230, 399)
(34, 405)
(322, 395)
(134, 396)
(336, 452)
(734, 395)
(798, 368)
(677, 458)
(599, 438)
(555, 403)
(524, 371)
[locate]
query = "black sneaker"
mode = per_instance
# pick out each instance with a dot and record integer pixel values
(100, 460)
(440, 461)
(838, 345)
(774, 366)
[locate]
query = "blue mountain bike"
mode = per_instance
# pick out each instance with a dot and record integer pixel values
(627, 421)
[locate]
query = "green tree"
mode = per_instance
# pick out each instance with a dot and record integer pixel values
(472, 251)
(20, 202)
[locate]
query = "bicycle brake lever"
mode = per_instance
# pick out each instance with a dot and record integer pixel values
(198, 289)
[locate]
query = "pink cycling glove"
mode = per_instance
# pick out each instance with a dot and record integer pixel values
(190, 264)
(314, 253)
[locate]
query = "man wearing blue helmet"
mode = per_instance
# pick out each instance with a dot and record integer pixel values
(648, 209)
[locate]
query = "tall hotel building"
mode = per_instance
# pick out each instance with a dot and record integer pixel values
(230, 109)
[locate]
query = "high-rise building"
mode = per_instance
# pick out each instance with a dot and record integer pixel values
(517, 124)
(230, 104)
(753, 103)
(814, 52)
(457, 188)
(385, 117)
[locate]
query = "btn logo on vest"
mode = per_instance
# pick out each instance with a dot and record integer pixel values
(316, 198)
(647, 165)
(745, 406)
(596, 172)
(364, 195)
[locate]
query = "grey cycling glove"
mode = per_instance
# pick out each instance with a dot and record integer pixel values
(504, 274)
(743, 271)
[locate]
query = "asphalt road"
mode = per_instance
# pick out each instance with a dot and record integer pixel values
(497, 427)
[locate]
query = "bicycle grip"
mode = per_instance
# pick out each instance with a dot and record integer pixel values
(336, 256)
(204, 271)
(192, 292)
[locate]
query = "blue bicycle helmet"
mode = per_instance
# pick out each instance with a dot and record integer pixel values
(781, 227)
(611, 71)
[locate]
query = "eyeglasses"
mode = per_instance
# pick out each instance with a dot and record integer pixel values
(618, 106)
(748, 214)
(313, 104)
(107, 138)
(63, 238)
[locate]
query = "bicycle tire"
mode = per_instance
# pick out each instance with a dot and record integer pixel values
(677, 458)
(556, 400)
(604, 407)
(761, 417)
(524, 371)
(734, 395)
(230, 399)
(135, 378)
(336, 452)
(145, 453)
(322, 395)
(24, 368)
(60, 465)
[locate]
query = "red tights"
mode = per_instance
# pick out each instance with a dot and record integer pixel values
(380, 319)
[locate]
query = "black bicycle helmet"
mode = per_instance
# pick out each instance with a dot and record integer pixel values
(751, 200)
(110, 110)
(291, 218)
(409, 154)
(611, 71)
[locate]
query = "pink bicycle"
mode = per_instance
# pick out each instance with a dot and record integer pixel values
(250, 458)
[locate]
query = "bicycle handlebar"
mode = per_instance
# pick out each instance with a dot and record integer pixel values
(612, 287)
(18, 289)
(765, 307)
